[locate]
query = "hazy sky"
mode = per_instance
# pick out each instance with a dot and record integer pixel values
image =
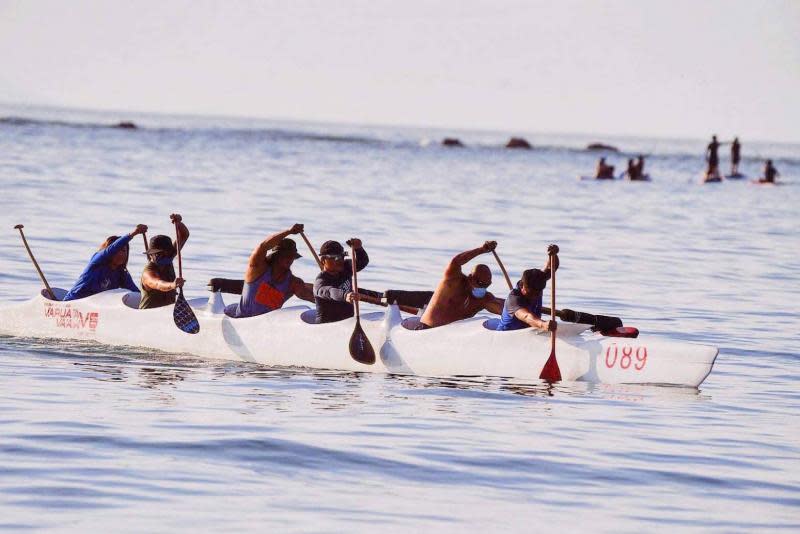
(672, 68)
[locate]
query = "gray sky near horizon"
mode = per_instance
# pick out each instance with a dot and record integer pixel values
(671, 68)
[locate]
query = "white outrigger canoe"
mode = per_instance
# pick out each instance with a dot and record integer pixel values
(289, 337)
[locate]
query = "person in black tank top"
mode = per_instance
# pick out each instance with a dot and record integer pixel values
(159, 282)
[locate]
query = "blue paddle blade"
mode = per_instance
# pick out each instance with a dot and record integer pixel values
(184, 316)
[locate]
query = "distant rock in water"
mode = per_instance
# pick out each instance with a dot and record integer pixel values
(452, 141)
(601, 146)
(518, 142)
(127, 125)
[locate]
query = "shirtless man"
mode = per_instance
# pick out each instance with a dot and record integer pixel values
(459, 296)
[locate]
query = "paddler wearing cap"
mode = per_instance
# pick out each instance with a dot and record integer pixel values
(108, 268)
(158, 278)
(333, 287)
(268, 280)
(523, 307)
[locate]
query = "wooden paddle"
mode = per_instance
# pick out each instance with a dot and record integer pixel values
(313, 252)
(182, 314)
(550, 371)
(502, 268)
(35, 264)
(360, 348)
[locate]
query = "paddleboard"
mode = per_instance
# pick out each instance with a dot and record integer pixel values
(737, 176)
(593, 178)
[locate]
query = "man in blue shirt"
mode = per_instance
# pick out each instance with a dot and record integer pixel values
(523, 307)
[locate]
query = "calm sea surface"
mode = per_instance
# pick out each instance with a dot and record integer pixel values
(100, 438)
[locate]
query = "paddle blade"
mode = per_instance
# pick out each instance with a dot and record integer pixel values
(550, 371)
(360, 348)
(184, 316)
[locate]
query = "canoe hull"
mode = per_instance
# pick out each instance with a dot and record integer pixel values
(285, 337)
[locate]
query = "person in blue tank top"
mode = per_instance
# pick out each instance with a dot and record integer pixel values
(523, 307)
(108, 268)
(268, 281)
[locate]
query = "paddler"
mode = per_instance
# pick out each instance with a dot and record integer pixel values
(736, 154)
(333, 287)
(523, 307)
(158, 278)
(770, 173)
(639, 168)
(268, 280)
(712, 156)
(603, 170)
(459, 296)
(108, 268)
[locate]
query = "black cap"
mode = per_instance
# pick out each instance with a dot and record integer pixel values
(286, 246)
(160, 243)
(332, 248)
(535, 279)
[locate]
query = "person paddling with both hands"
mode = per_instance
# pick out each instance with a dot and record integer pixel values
(523, 307)
(333, 287)
(159, 283)
(459, 296)
(268, 281)
(108, 268)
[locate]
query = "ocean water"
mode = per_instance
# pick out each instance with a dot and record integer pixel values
(108, 438)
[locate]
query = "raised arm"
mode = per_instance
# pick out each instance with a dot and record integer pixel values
(106, 254)
(459, 260)
(257, 265)
(183, 232)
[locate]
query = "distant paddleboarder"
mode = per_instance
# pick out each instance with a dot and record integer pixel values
(603, 171)
(712, 156)
(770, 173)
(736, 149)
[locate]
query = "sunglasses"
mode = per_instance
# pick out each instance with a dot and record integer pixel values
(334, 257)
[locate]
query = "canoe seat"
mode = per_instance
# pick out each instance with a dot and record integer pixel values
(57, 291)
(491, 324)
(131, 300)
(410, 323)
(309, 316)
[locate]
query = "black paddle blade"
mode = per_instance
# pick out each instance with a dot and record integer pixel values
(184, 316)
(360, 348)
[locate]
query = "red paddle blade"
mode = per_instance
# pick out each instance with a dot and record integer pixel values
(550, 371)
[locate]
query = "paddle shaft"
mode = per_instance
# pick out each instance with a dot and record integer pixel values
(553, 305)
(178, 246)
(502, 268)
(144, 238)
(355, 281)
(313, 252)
(35, 264)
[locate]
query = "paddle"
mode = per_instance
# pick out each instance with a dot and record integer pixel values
(502, 268)
(182, 313)
(313, 252)
(360, 348)
(35, 264)
(550, 371)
